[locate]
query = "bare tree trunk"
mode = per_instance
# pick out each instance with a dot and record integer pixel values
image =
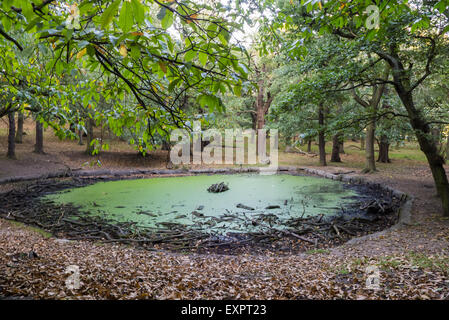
(335, 156)
(341, 145)
(80, 137)
(39, 146)
(362, 142)
(447, 147)
(436, 133)
(90, 136)
(19, 133)
(321, 137)
(262, 105)
(165, 145)
(372, 106)
(309, 145)
(11, 154)
(384, 150)
(370, 164)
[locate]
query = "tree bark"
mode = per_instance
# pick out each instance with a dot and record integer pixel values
(321, 137)
(370, 164)
(335, 156)
(362, 142)
(372, 106)
(90, 136)
(436, 133)
(11, 154)
(80, 137)
(165, 145)
(19, 133)
(341, 145)
(262, 105)
(447, 147)
(427, 145)
(309, 145)
(384, 150)
(39, 146)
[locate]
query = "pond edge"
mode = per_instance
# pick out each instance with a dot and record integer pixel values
(404, 214)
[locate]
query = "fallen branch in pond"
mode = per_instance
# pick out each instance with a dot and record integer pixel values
(242, 206)
(218, 188)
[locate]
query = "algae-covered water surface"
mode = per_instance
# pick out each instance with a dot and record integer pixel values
(154, 202)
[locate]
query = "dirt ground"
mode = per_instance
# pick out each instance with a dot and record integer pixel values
(413, 260)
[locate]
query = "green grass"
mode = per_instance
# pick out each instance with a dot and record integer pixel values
(431, 262)
(342, 270)
(354, 156)
(408, 153)
(388, 262)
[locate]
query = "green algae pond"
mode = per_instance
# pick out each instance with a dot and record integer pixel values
(158, 202)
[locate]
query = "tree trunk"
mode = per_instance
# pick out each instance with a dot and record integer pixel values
(90, 136)
(19, 133)
(384, 150)
(321, 137)
(309, 145)
(165, 145)
(436, 133)
(80, 137)
(341, 145)
(39, 146)
(11, 154)
(447, 147)
(335, 157)
(372, 106)
(262, 105)
(362, 142)
(370, 164)
(404, 89)
(426, 142)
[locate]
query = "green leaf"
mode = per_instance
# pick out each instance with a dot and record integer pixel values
(224, 37)
(7, 4)
(210, 101)
(167, 21)
(203, 58)
(441, 6)
(138, 11)
(190, 55)
(238, 90)
(27, 9)
(126, 19)
(6, 23)
(135, 52)
(173, 84)
(109, 14)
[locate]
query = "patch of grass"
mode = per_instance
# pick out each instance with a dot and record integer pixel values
(388, 262)
(408, 154)
(318, 251)
(420, 260)
(342, 270)
(40, 231)
(359, 262)
(354, 156)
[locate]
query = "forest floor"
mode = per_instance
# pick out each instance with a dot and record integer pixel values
(413, 260)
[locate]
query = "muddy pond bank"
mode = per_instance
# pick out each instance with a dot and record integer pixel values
(370, 209)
